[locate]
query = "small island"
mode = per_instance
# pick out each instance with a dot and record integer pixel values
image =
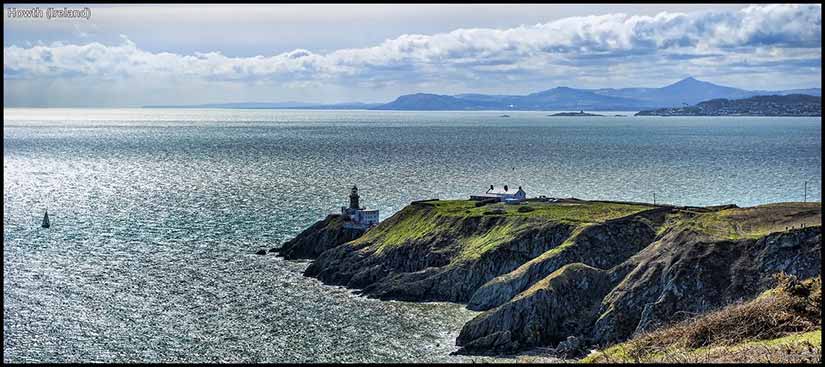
(787, 105)
(576, 275)
(575, 114)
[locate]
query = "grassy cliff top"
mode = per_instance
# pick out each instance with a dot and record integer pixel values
(448, 219)
(572, 211)
(492, 225)
(754, 222)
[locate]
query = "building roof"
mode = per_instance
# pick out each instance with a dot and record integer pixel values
(500, 191)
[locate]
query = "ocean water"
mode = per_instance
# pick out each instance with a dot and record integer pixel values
(156, 215)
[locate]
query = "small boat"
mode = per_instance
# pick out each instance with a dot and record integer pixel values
(46, 223)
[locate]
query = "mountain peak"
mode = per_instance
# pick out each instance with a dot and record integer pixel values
(689, 81)
(695, 85)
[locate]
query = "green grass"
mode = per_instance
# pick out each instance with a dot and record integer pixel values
(443, 218)
(582, 212)
(475, 246)
(794, 343)
(716, 225)
(811, 337)
(782, 325)
(414, 224)
(754, 222)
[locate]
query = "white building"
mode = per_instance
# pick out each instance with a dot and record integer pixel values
(504, 194)
(355, 215)
(365, 217)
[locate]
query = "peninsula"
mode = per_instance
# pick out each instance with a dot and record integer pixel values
(788, 105)
(572, 274)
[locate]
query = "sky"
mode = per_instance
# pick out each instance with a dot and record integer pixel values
(134, 55)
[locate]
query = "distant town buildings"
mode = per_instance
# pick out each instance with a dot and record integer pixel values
(504, 194)
(356, 216)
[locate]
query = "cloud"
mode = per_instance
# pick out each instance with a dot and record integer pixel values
(756, 35)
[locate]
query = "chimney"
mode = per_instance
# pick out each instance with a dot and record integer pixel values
(505, 188)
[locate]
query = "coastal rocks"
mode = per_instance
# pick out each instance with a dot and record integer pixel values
(436, 266)
(260, 252)
(682, 274)
(319, 237)
(601, 245)
(599, 272)
(693, 277)
(565, 303)
(572, 346)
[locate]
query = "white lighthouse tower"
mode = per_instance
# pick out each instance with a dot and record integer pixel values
(358, 217)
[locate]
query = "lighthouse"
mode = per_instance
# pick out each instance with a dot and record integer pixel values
(353, 198)
(355, 215)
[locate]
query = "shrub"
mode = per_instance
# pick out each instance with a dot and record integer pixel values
(485, 202)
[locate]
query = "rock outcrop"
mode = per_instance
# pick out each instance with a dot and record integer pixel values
(680, 275)
(548, 273)
(602, 245)
(692, 277)
(321, 236)
(562, 304)
(437, 260)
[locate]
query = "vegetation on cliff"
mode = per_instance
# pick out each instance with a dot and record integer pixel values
(783, 324)
(688, 269)
(570, 272)
(432, 219)
(445, 250)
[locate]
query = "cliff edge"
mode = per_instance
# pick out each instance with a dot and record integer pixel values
(544, 272)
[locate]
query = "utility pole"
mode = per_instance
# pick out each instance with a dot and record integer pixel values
(805, 200)
(654, 198)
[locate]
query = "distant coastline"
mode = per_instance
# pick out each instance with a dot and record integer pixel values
(789, 105)
(688, 91)
(575, 114)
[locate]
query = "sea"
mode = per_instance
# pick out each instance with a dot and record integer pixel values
(157, 214)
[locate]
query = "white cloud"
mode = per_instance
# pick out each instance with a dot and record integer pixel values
(760, 34)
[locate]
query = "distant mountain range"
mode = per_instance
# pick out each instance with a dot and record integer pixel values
(685, 92)
(787, 105)
(277, 105)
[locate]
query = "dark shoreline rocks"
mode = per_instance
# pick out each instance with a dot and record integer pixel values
(321, 236)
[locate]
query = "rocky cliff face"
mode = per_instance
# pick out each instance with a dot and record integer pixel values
(437, 263)
(681, 274)
(321, 236)
(691, 277)
(544, 272)
(559, 305)
(602, 245)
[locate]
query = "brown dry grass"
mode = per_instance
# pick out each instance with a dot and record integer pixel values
(790, 308)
